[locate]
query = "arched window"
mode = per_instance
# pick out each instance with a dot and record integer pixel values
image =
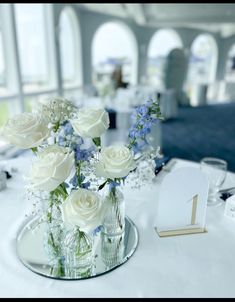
(2, 64)
(203, 59)
(70, 48)
(114, 44)
(32, 44)
(162, 42)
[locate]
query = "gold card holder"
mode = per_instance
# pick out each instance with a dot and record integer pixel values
(185, 231)
(180, 232)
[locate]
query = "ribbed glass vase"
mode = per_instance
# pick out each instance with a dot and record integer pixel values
(114, 219)
(54, 232)
(79, 254)
(112, 249)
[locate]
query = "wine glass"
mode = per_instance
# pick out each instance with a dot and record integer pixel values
(216, 170)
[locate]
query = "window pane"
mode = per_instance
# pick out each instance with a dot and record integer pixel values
(4, 112)
(75, 96)
(106, 56)
(31, 33)
(8, 109)
(30, 102)
(162, 42)
(68, 47)
(202, 61)
(2, 64)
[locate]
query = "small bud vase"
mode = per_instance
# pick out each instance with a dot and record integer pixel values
(79, 259)
(112, 249)
(114, 219)
(54, 232)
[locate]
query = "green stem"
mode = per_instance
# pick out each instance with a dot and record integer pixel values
(61, 190)
(60, 271)
(56, 127)
(78, 172)
(114, 198)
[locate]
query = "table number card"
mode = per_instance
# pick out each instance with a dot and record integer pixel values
(182, 203)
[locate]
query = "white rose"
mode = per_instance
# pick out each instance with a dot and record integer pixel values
(51, 167)
(115, 162)
(25, 130)
(83, 208)
(56, 109)
(90, 122)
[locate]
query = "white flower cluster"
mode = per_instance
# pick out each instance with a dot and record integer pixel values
(56, 110)
(144, 173)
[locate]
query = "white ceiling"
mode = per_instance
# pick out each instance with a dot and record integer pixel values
(215, 17)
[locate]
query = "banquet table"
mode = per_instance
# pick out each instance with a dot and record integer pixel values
(196, 265)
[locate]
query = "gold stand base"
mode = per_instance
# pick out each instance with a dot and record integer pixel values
(180, 232)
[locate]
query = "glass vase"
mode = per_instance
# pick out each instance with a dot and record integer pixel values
(112, 249)
(114, 219)
(154, 137)
(54, 232)
(79, 259)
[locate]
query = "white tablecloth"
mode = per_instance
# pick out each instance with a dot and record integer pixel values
(198, 265)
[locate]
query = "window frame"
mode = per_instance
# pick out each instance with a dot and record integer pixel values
(77, 82)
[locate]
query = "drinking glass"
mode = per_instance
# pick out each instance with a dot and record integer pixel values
(216, 170)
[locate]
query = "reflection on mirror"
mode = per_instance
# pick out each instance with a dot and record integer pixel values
(110, 252)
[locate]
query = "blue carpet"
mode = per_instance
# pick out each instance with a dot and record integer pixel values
(203, 131)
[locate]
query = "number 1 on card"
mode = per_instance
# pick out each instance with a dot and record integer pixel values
(194, 209)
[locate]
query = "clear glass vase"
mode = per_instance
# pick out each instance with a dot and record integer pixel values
(114, 219)
(54, 232)
(79, 254)
(112, 249)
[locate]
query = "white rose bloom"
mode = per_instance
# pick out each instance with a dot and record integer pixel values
(115, 162)
(83, 208)
(90, 122)
(25, 130)
(56, 110)
(51, 167)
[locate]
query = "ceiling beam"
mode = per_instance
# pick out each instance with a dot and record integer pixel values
(112, 9)
(135, 11)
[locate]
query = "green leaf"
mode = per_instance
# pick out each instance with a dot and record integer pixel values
(34, 149)
(101, 186)
(97, 141)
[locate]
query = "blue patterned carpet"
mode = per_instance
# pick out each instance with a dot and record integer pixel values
(201, 131)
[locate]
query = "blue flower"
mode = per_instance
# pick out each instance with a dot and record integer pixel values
(136, 148)
(86, 185)
(134, 133)
(142, 110)
(97, 230)
(74, 181)
(83, 154)
(143, 117)
(113, 184)
(68, 129)
(61, 140)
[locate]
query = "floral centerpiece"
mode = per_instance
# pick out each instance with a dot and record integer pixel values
(76, 179)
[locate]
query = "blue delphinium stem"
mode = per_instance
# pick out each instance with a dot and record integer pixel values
(144, 117)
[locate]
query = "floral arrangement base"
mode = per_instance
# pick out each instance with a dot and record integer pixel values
(110, 251)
